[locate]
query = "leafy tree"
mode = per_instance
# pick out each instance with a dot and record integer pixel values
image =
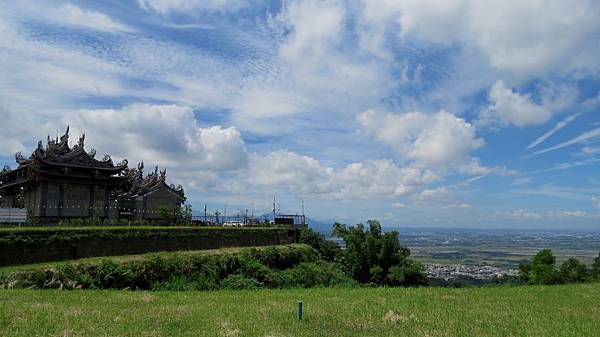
(596, 267)
(329, 250)
(572, 271)
(544, 257)
(541, 270)
(371, 255)
(186, 214)
(166, 214)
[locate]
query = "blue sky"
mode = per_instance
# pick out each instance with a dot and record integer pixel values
(419, 113)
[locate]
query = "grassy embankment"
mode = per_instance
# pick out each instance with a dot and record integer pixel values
(570, 310)
(138, 257)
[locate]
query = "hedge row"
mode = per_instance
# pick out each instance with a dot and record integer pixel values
(272, 267)
(33, 246)
(42, 236)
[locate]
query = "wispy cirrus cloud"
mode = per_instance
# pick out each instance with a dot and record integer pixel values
(560, 125)
(577, 140)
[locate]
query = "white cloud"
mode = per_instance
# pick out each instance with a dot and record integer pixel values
(573, 214)
(441, 138)
(596, 201)
(72, 15)
(513, 35)
(523, 214)
(438, 195)
(382, 178)
(510, 107)
(474, 167)
(590, 150)
(166, 135)
(560, 125)
(459, 206)
(521, 181)
(303, 174)
(398, 205)
(165, 7)
(579, 139)
(288, 170)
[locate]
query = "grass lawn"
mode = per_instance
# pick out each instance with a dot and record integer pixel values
(562, 311)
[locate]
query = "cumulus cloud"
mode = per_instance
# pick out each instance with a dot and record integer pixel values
(289, 170)
(596, 201)
(512, 35)
(371, 178)
(509, 107)
(439, 138)
(382, 178)
(167, 135)
(398, 205)
(438, 195)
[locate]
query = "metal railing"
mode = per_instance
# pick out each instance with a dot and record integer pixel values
(13, 215)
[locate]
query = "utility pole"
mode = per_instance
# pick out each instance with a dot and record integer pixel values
(225, 213)
(274, 209)
(205, 213)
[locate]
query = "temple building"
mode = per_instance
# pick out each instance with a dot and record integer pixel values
(59, 182)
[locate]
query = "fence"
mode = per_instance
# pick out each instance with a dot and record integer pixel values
(13, 215)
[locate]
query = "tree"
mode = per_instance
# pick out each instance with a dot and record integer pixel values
(572, 271)
(541, 270)
(371, 255)
(545, 257)
(186, 214)
(596, 267)
(166, 214)
(329, 250)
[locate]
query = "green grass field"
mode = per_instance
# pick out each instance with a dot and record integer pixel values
(562, 311)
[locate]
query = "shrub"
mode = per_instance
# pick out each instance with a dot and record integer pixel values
(238, 282)
(317, 274)
(407, 274)
(165, 271)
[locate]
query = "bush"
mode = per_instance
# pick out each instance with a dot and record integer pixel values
(407, 275)
(317, 274)
(165, 271)
(238, 282)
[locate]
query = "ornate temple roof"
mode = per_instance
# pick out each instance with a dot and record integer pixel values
(58, 152)
(140, 185)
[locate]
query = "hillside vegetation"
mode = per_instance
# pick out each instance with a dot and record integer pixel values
(562, 311)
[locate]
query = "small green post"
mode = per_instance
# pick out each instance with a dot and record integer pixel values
(300, 303)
